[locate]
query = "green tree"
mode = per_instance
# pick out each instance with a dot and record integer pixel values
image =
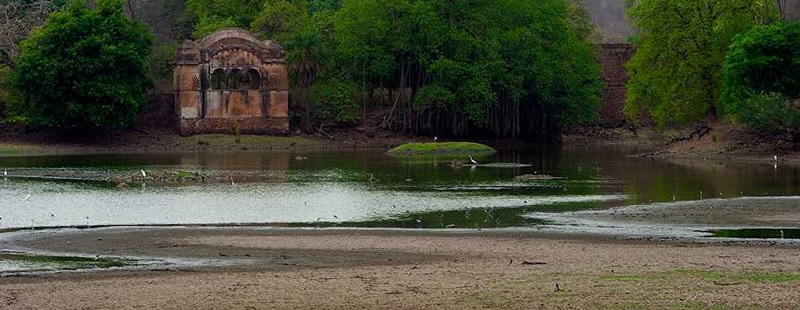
(278, 20)
(335, 99)
(676, 72)
(213, 15)
(762, 77)
(85, 68)
(508, 68)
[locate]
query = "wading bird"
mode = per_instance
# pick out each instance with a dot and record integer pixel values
(5, 172)
(144, 175)
(472, 160)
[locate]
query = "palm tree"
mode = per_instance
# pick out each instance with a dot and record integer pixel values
(307, 54)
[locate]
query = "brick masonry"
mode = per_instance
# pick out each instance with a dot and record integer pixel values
(613, 58)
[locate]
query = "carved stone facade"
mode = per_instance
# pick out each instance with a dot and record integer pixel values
(230, 82)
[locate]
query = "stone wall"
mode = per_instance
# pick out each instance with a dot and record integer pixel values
(613, 58)
(251, 125)
(231, 82)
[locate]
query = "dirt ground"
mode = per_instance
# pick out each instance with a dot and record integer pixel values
(23, 140)
(726, 141)
(387, 269)
(738, 212)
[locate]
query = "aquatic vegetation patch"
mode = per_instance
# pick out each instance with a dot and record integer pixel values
(442, 148)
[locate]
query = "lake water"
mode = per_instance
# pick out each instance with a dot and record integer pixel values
(369, 188)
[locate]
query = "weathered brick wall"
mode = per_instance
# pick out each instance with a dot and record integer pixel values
(613, 58)
(253, 125)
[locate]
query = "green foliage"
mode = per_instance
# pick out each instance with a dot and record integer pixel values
(433, 97)
(676, 72)
(762, 74)
(162, 61)
(85, 68)
(335, 99)
(271, 19)
(213, 15)
(443, 148)
(769, 112)
(308, 53)
(317, 6)
(508, 67)
(280, 19)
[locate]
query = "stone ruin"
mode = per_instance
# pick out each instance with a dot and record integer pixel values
(231, 82)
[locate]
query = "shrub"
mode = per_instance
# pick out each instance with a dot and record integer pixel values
(769, 112)
(335, 100)
(85, 68)
(762, 77)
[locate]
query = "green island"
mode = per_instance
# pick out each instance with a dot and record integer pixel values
(442, 148)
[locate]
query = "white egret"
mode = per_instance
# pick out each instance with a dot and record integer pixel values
(5, 172)
(144, 176)
(473, 160)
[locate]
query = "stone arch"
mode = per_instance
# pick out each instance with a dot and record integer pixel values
(237, 79)
(219, 80)
(242, 80)
(253, 79)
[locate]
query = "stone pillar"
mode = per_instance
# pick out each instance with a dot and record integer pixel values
(188, 84)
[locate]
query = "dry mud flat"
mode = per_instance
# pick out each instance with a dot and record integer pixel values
(391, 269)
(779, 212)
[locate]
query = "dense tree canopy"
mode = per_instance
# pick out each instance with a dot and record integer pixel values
(506, 68)
(676, 72)
(85, 67)
(762, 77)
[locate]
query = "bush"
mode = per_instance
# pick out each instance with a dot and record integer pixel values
(85, 68)
(11, 104)
(676, 71)
(762, 77)
(769, 112)
(335, 100)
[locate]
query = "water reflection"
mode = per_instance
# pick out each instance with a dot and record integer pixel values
(369, 188)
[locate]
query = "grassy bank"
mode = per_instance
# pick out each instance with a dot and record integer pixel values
(443, 148)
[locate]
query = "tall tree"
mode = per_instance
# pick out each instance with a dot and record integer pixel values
(508, 68)
(676, 72)
(85, 68)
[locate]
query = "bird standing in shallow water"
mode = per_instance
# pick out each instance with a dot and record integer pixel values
(144, 175)
(472, 160)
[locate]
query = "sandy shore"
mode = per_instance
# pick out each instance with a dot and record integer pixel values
(390, 269)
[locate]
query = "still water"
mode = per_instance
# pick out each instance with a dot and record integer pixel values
(368, 188)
